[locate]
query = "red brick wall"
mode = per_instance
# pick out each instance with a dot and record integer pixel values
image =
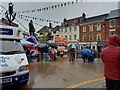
(95, 32)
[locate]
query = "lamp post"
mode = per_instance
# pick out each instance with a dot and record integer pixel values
(90, 40)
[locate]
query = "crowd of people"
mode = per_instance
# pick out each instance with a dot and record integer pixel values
(110, 56)
(43, 54)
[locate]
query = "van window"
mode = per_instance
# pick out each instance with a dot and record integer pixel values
(10, 47)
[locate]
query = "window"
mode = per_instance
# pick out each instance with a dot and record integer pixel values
(84, 37)
(15, 47)
(75, 37)
(75, 29)
(61, 30)
(70, 29)
(84, 28)
(66, 36)
(70, 37)
(91, 28)
(98, 37)
(91, 37)
(65, 30)
(98, 27)
(54, 32)
(112, 22)
(112, 32)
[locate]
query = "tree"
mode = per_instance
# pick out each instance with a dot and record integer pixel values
(43, 38)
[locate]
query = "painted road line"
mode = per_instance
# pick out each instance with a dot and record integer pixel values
(85, 82)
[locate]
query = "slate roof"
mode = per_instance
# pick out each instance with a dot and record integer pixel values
(55, 28)
(72, 22)
(95, 19)
(44, 29)
(114, 14)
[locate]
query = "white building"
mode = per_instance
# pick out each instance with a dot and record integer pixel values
(70, 32)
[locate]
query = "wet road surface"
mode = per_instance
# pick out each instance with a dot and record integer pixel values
(62, 73)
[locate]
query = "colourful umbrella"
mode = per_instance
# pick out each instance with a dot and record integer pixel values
(73, 45)
(32, 39)
(61, 48)
(61, 44)
(85, 52)
(24, 42)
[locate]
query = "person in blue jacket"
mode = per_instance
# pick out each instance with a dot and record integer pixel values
(91, 58)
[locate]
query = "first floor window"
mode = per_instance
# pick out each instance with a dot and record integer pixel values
(84, 37)
(91, 37)
(75, 37)
(70, 37)
(98, 37)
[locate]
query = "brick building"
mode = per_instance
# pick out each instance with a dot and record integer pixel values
(112, 23)
(92, 32)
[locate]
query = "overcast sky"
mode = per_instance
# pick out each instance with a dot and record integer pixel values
(89, 7)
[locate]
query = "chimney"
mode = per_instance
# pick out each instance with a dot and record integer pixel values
(84, 15)
(64, 20)
(50, 25)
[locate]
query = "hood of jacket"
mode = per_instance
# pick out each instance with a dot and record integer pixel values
(114, 40)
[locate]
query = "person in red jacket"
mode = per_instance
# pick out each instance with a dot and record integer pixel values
(111, 59)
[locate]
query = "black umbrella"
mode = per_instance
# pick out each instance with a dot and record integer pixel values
(54, 45)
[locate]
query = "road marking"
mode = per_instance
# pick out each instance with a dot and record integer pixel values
(85, 82)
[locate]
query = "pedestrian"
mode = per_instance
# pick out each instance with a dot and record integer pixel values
(61, 53)
(91, 57)
(52, 53)
(55, 58)
(45, 54)
(111, 59)
(85, 54)
(72, 54)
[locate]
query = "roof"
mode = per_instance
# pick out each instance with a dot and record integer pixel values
(94, 19)
(44, 29)
(72, 22)
(114, 14)
(55, 28)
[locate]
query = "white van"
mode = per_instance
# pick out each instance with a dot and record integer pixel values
(13, 61)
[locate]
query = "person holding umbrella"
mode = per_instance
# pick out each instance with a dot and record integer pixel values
(72, 54)
(85, 54)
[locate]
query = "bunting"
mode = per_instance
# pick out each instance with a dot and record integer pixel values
(40, 19)
(23, 18)
(49, 8)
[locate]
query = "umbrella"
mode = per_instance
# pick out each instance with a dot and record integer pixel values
(33, 52)
(41, 45)
(54, 45)
(24, 42)
(61, 44)
(85, 52)
(72, 45)
(61, 48)
(32, 39)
